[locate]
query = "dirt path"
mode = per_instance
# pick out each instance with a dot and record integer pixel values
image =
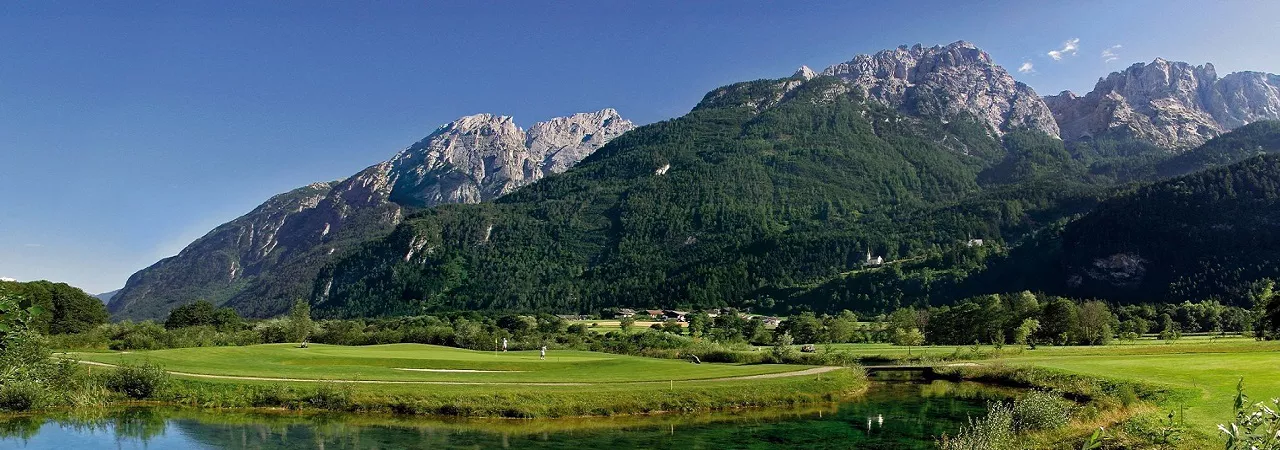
(798, 373)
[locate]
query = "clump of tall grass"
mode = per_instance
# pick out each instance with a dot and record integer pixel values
(331, 396)
(1040, 410)
(137, 381)
(998, 430)
(995, 431)
(22, 396)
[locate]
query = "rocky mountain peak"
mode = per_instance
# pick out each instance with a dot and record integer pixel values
(259, 262)
(950, 81)
(1172, 104)
(483, 156)
(563, 141)
(805, 73)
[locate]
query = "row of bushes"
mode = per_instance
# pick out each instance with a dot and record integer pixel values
(71, 385)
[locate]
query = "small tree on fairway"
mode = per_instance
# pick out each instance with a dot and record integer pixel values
(626, 323)
(782, 349)
(300, 325)
(909, 337)
(1022, 334)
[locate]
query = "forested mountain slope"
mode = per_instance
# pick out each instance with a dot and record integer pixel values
(262, 262)
(771, 192)
(1204, 235)
(1185, 238)
(765, 185)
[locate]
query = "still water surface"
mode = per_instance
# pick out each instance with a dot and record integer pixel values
(895, 415)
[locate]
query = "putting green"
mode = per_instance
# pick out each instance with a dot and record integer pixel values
(388, 363)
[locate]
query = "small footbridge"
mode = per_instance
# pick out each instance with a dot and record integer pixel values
(901, 370)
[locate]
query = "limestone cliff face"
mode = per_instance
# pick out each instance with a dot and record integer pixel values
(481, 157)
(260, 262)
(947, 81)
(1168, 103)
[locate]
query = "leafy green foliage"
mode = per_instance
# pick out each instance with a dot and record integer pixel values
(203, 313)
(138, 381)
(1256, 426)
(62, 308)
(300, 325)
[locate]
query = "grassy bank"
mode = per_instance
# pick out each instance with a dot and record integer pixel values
(1210, 376)
(1128, 410)
(1135, 388)
(518, 400)
(432, 380)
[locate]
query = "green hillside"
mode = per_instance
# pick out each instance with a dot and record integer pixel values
(740, 199)
(771, 193)
(1204, 235)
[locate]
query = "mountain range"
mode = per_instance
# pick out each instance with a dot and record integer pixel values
(259, 262)
(769, 193)
(106, 296)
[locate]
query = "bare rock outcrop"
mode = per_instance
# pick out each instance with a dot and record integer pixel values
(947, 81)
(1168, 103)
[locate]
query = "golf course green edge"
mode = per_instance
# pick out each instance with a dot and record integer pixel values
(516, 401)
(1131, 413)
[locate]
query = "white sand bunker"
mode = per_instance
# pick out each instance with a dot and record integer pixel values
(460, 370)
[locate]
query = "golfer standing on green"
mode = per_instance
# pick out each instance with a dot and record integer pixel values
(543, 353)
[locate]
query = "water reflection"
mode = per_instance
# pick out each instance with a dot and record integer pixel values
(891, 416)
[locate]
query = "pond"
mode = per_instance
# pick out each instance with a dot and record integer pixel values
(892, 415)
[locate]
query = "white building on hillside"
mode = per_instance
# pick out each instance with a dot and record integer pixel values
(874, 261)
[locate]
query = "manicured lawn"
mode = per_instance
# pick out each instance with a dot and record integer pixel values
(1212, 374)
(381, 362)
(1210, 366)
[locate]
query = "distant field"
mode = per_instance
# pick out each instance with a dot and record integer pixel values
(1140, 346)
(605, 326)
(384, 362)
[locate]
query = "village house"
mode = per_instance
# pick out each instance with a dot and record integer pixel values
(625, 312)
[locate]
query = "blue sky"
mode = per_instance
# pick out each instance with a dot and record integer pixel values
(128, 129)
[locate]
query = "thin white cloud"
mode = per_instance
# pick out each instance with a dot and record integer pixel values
(1027, 67)
(1110, 54)
(1068, 48)
(33, 245)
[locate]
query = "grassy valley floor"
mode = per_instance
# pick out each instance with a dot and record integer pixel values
(1200, 372)
(424, 379)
